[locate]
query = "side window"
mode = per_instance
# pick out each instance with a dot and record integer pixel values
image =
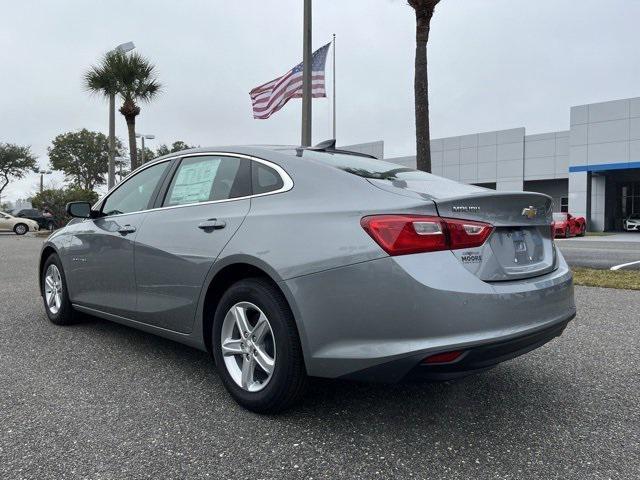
(134, 195)
(265, 179)
(208, 178)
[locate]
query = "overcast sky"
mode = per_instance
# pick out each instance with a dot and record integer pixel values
(493, 64)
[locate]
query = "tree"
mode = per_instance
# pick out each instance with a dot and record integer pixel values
(56, 199)
(135, 81)
(176, 146)
(148, 154)
(424, 11)
(15, 162)
(83, 156)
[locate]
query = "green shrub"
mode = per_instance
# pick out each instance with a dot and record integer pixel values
(55, 200)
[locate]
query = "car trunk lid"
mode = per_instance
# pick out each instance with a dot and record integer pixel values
(521, 245)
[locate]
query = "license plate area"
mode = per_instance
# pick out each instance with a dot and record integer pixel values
(518, 246)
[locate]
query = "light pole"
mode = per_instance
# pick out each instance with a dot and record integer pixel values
(42, 174)
(111, 177)
(142, 137)
(306, 75)
(122, 160)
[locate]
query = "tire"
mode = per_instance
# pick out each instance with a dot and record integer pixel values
(567, 232)
(583, 230)
(62, 312)
(20, 228)
(51, 226)
(287, 382)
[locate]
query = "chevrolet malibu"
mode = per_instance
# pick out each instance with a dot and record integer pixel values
(287, 262)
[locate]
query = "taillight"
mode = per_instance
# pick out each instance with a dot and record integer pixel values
(404, 234)
(467, 234)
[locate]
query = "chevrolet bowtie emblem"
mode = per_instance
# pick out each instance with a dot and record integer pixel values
(530, 212)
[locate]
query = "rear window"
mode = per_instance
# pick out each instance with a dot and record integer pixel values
(265, 179)
(399, 176)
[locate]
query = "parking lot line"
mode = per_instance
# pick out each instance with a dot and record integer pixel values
(618, 267)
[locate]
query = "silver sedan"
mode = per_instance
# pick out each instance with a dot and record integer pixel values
(288, 262)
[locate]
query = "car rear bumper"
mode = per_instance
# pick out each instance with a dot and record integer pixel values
(378, 320)
(474, 359)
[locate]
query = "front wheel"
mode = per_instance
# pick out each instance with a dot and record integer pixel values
(256, 347)
(20, 229)
(567, 232)
(55, 293)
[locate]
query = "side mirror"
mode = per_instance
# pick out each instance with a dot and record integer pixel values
(79, 209)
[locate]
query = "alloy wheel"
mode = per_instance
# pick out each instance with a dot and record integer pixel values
(53, 289)
(21, 229)
(248, 346)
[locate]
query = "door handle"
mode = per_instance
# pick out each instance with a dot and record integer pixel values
(212, 224)
(126, 230)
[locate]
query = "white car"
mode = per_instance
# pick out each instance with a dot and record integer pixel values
(19, 226)
(632, 223)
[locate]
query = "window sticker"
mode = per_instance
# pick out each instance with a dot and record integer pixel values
(193, 182)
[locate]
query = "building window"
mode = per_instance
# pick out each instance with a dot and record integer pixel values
(564, 204)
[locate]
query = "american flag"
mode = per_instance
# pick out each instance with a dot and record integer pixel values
(272, 96)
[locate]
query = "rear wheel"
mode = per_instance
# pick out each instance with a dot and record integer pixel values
(55, 293)
(256, 347)
(20, 229)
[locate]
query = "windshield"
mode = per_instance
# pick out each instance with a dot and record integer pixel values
(635, 216)
(5, 214)
(559, 217)
(379, 171)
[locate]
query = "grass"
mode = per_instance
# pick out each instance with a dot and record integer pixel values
(591, 277)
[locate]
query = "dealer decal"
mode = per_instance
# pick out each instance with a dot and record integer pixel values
(471, 257)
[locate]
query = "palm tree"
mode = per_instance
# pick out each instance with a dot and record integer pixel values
(424, 11)
(133, 78)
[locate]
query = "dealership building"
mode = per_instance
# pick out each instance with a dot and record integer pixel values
(592, 169)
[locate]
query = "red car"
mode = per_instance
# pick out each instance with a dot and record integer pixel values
(566, 225)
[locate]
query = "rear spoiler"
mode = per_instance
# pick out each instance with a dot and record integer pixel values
(329, 146)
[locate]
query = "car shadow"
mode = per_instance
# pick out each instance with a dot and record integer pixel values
(496, 402)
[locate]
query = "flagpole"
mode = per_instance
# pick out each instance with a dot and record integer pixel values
(334, 86)
(306, 75)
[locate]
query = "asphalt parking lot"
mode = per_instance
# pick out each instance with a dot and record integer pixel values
(603, 252)
(98, 400)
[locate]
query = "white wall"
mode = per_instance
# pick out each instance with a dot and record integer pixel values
(490, 157)
(546, 156)
(605, 133)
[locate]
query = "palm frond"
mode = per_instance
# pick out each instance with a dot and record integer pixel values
(132, 76)
(100, 78)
